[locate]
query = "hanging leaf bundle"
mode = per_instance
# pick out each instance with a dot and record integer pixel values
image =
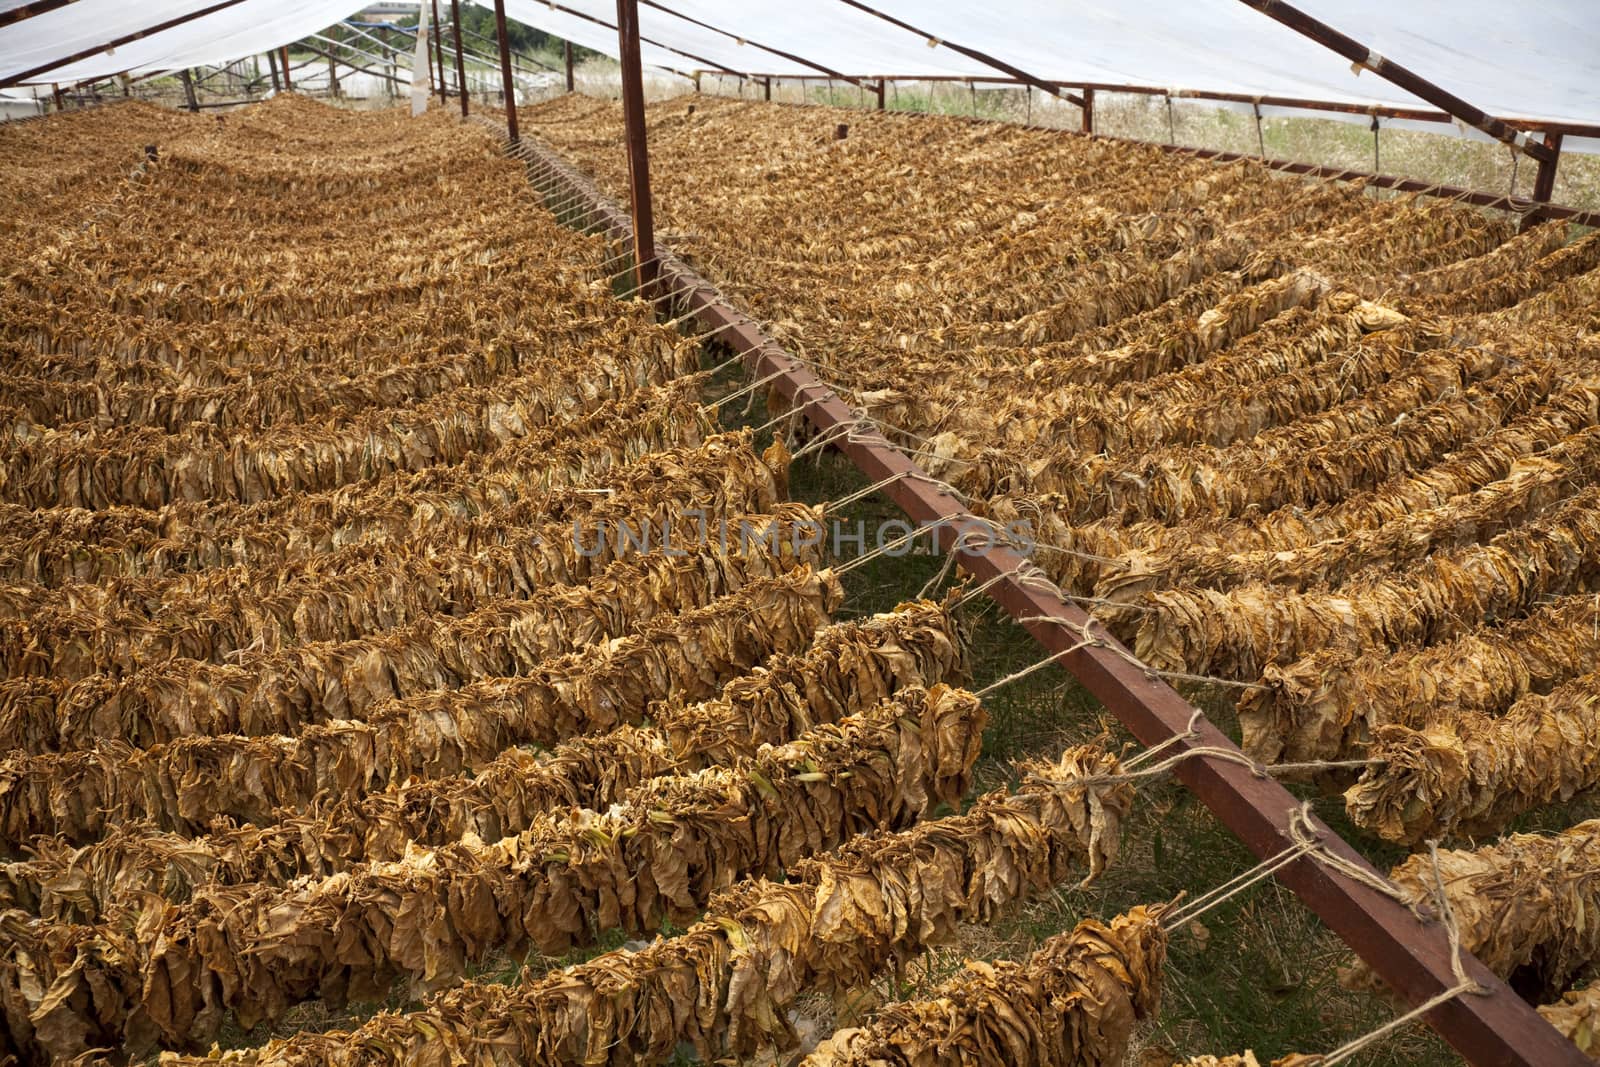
(850, 667)
(308, 683)
(657, 856)
(1239, 633)
(1524, 905)
(724, 986)
(1075, 1001)
(1326, 706)
(1473, 774)
(280, 761)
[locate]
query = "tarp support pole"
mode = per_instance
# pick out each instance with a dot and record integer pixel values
(283, 56)
(127, 38)
(508, 84)
(566, 52)
(766, 89)
(1088, 110)
(881, 90)
(272, 67)
(1391, 71)
(644, 238)
(461, 63)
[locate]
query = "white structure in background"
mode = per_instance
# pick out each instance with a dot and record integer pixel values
(419, 66)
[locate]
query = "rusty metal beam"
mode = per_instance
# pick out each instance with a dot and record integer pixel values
(780, 53)
(28, 11)
(710, 64)
(118, 42)
(1390, 71)
(645, 267)
(1413, 957)
(506, 80)
(566, 55)
(972, 53)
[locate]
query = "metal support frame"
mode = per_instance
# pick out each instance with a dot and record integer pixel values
(644, 237)
(118, 42)
(1088, 111)
(461, 63)
(508, 84)
(566, 55)
(1412, 956)
(1023, 76)
(1404, 77)
(283, 56)
(272, 68)
(352, 64)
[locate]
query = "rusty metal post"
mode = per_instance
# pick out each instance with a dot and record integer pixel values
(882, 86)
(283, 58)
(1088, 111)
(766, 89)
(272, 67)
(566, 54)
(461, 64)
(506, 80)
(438, 52)
(1544, 180)
(644, 230)
(188, 90)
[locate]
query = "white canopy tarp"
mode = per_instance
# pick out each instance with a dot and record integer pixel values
(1541, 63)
(244, 29)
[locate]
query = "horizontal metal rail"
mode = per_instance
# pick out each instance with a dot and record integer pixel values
(1495, 1027)
(1390, 111)
(1477, 197)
